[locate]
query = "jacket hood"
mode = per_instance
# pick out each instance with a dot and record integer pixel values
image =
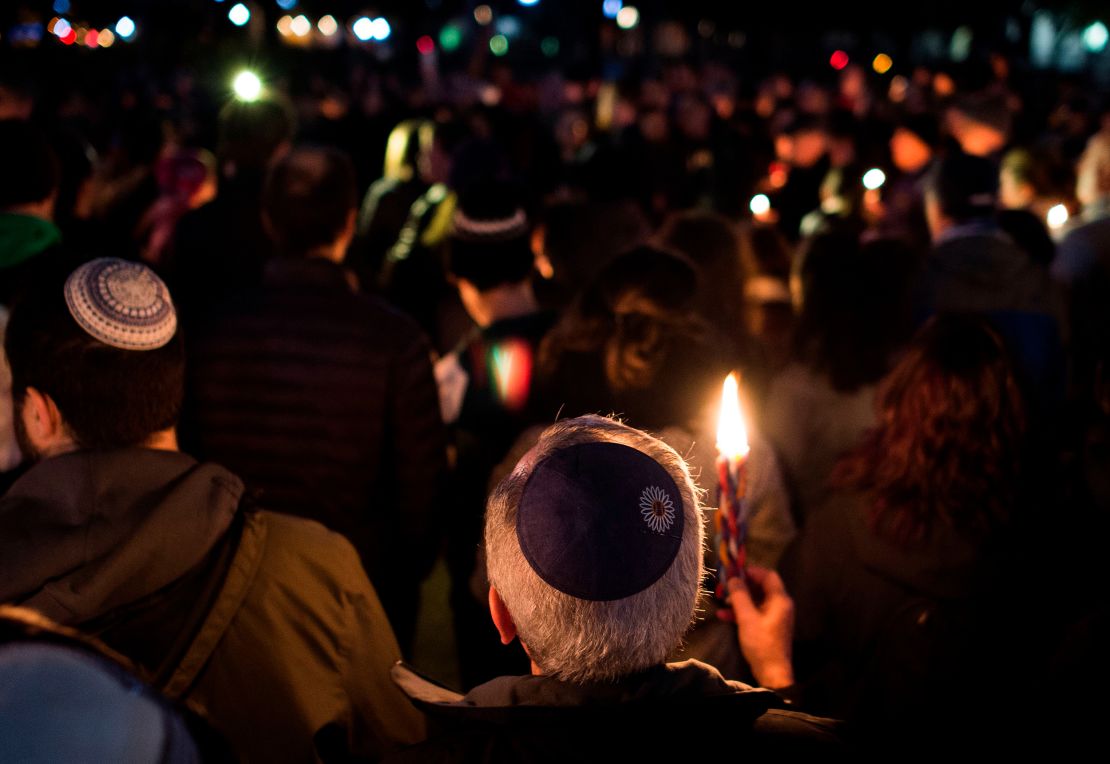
(86, 532)
(24, 236)
(690, 688)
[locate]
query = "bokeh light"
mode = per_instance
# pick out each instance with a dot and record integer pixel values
(874, 178)
(838, 60)
(450, 37)
(499, 44)
(1095, 37)
(239, 14)
(247, 86)
(363, 28)
(327, 25)
(380, 29)
(1057, 217)
(610, 8)
(125, 27)
(483, 14)
(760, 204)
(106, 38)
(628, 17)
(426, 45)
(301, 26)
(882, 63)
(550, 46)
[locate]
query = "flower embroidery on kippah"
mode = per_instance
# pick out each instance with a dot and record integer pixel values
(657, 509)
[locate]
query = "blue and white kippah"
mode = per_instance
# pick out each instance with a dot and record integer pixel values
(122, 304)
(600, 521)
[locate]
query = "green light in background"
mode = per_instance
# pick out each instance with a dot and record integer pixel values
(450, 37)
(550, 46)
(499, 44)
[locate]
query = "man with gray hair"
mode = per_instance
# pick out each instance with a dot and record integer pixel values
(594, 545)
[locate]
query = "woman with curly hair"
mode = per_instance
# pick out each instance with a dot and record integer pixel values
(905, 582)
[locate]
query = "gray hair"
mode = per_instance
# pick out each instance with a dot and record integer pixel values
(579, 640)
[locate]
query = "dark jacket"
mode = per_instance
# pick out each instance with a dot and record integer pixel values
(674, 712)
(265, 623)
(886, 634)
(324, 400)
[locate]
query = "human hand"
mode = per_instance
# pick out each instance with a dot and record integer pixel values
(765, 630)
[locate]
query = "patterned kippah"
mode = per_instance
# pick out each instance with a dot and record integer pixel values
(122, 304)
(469, 228)
(600, 521)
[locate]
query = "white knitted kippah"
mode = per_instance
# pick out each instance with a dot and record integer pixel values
(502, 229)
(122, 304)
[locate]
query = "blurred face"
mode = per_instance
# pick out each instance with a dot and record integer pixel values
(1093, 171)
(809, 147)
(1013, 193)
(909, 152)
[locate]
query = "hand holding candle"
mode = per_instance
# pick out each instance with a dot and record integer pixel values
(732, 514)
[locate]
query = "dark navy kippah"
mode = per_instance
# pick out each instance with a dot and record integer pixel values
(600, 521)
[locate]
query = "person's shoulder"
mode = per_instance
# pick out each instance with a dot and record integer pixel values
(787, 730)
(299, 544)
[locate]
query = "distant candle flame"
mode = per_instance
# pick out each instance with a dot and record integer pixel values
(732, 435)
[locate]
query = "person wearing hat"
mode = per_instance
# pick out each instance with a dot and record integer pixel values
(266, 623)
(594, 545)
(487, 392)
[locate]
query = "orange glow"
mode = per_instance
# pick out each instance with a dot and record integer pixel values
(732, 434)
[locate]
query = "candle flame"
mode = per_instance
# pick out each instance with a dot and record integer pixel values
(732, 435)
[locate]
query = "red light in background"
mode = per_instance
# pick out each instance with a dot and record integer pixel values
(69, 37)
(426, 45)
(838, 60)
(92, 38)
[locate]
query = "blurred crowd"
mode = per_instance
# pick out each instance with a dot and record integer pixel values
(911, 276)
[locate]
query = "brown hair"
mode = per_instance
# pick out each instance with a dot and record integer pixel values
(947, 446)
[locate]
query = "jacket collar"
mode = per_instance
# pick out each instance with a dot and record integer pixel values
(690, 684)
(305, 272)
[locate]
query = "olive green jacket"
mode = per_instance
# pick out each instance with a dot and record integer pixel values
(294, 641)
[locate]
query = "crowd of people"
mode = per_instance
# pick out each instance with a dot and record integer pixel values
(250, 398)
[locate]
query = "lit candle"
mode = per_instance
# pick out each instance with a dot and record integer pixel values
(732, 512)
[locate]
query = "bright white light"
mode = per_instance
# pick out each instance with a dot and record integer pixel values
(239, 14)
(874, 178)
(363, 28)
(327, 25)
(61, 29)
(301, 26)
(380, 30)
(247, 86)
(1057, 216)
(1096, 36)
(760, 204)
(610, 8)
(628, 17)
(125, 27)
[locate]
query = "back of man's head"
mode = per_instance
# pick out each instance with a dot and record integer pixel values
(594, 545)
(963, 187)
(490, 242)
(309, 199)
(31, 172)
(103, 345)
(251, 133)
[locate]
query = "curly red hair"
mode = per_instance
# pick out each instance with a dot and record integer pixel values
(948, 444)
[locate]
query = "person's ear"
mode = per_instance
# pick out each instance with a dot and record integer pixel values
(43, 423)
(502, 620)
